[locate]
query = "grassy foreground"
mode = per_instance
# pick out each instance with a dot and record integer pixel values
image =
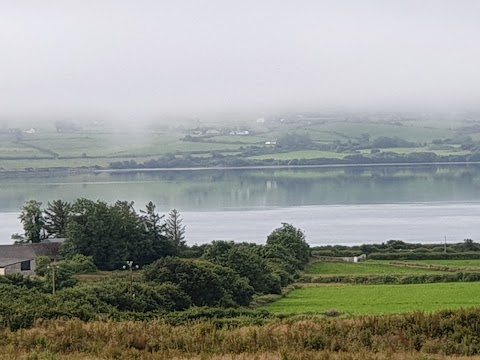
(409, 336)
(378, 299)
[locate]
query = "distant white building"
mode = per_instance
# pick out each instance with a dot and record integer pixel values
(30, 131)
(355, 259)
(241, 133)
(213, 132)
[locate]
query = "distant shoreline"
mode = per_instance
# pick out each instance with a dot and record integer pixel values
(266, 167)
(75, 171)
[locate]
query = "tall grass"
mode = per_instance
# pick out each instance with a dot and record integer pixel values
(444, 333)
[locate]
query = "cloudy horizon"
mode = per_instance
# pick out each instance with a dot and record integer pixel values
(144, 58)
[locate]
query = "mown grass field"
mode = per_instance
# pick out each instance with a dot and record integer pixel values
(378, 299)
(365, 268)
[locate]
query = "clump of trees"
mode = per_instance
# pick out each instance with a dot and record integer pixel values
(206, 284)
(110, 234)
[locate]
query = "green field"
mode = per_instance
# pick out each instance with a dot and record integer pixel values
(378, 299)
(309, 154)
(411, 132)
(365, 268)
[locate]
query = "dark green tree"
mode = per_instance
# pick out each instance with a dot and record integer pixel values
(96, 229)
(156, 244)
(238, 290)
(18, 238)
(245, 260)
(32, 221)
(41, 265)
(175, 231)
(131, 229)
(217, 252)
(293, 240)
(56, 218)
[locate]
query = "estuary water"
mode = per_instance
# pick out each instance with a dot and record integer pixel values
(352, 205)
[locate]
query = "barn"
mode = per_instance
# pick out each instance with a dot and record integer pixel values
(20, 259)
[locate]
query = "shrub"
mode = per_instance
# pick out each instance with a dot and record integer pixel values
(80, 264)
(41, 264)
(198, 281)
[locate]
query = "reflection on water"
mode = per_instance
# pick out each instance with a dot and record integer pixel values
(208, 190)
(333, 205)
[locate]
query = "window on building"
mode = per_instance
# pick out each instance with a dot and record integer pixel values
(25, 265)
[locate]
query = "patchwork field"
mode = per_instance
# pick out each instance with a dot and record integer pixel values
(378, 299)
(90, 145)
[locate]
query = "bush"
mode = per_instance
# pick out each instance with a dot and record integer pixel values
(41, 264)
(198, 281)
(80, 264)
(143, 298)
(247, 261)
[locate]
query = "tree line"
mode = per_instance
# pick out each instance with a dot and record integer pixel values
(218, 159)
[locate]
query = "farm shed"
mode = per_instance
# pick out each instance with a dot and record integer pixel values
(17, 266)
(21, 258)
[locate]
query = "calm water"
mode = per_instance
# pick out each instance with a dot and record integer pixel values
(332, 205)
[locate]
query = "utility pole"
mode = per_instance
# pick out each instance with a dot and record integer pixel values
(445, 247)
(53, 267)
(130, 267)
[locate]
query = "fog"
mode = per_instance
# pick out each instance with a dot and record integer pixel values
(140, 59)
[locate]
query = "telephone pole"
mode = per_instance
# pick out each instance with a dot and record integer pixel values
(131, 267)
(53, 267)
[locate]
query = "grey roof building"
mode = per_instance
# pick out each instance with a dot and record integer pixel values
(21, 258)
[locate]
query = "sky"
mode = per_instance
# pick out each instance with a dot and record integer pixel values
(142, 58)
